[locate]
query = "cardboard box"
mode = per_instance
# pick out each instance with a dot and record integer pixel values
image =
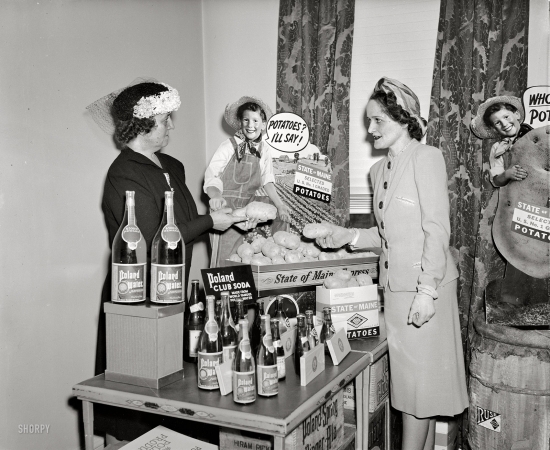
(378, 428)
(270, 278)
(446, 434)
(354, 308)
(379, 383)
(231, 439)
(144, 344)
(324, 429)
(162, 437)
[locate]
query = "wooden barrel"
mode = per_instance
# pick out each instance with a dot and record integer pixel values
(509, 388)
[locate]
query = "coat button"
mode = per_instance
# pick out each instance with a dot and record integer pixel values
(386, 264)
(389, 164)
(385, 185)
(381, 205)
(382, 225)
(386, 244)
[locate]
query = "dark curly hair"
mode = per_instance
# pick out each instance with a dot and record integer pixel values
(388, 102)
(495, 107)
(128, 127)
(251, 106)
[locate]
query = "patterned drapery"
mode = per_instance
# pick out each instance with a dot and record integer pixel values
(481, 52)
(313, 80)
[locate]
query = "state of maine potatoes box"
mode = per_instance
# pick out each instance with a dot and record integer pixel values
(352, 308)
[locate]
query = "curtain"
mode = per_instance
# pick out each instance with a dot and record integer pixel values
(313, 80)
(481, 52)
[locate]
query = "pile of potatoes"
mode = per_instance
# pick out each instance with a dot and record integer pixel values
(343, 279)
(284, 248)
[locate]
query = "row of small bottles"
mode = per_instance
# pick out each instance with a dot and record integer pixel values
(129, 258)
(258, 361)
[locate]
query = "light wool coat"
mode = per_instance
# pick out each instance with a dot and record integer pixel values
(411, 206)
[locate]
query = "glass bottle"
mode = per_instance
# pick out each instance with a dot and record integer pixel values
(266, 362)
(311, 332)
(244, 368)
(279, 350)
(284, 323)
(210, 350)
(256, 330)
(194, 323)
(302, 344)
(327, 331)
(129, 258)
(218, 311)
(227, 329)
(167, 258)
(239, 314)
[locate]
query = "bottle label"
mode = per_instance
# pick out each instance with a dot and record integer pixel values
(171, 235)
(212, 329)
(281, 367)
(244, 387)
(314, 333)
(128, 283)
(194, 336)
(206, 367)
(268, 342)
(245, 348)
(229, 352)
(268, 380)
(131, 235)
(196, 307)
(167, 283)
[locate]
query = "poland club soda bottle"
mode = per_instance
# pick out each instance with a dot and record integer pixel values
(279, 350)
(194, 324)
(280, 315)
(266, 362)
(227, 329)
(311, 332)
(327, 331)
(210, 350)
(167, 258)
(302, 344)
(244, 368)
(129, 258)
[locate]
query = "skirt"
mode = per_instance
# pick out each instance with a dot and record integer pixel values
(427, 376)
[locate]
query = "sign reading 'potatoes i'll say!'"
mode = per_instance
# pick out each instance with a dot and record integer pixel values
(313, 183)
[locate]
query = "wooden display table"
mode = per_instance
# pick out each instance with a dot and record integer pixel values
(277, 416)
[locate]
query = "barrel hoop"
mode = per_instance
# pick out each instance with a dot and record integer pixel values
(496, 387)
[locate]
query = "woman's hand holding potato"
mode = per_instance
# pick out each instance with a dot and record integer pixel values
(339, 237)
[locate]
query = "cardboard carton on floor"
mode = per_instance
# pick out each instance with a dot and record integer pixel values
(162, 437)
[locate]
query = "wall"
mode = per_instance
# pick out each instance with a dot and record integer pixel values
(57, 57)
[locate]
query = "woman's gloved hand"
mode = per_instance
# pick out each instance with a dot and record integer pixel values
(422, 310)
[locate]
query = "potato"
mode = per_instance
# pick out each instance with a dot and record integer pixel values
(287, 240)
(343, 253)
(327, 256)
(277, 259)
(257, 244)
(234, 257)
(246, 259)
(261, 211)
(310, 249)
(239, 212)
(364, 279)
(316, 230)
(309, 259)
(293, 256)
(342, 274)
(245, 249)
(260, 260)
(270, 249)
(334, 283)
(353, 283)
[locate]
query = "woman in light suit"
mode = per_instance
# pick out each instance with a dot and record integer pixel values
(417, 271)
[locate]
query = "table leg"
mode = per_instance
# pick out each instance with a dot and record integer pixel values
(359, 414)
(278, 443)
(88, 414)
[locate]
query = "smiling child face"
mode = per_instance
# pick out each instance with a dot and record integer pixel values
(505, 122)
(252, 124)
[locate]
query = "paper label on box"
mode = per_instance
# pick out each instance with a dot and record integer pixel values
(379, 383)
(161, 437)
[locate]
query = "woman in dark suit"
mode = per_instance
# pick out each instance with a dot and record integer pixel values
(417, 271)
(142, 122)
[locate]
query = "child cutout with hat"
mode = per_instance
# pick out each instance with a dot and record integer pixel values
(241, 166)
(501, 118)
